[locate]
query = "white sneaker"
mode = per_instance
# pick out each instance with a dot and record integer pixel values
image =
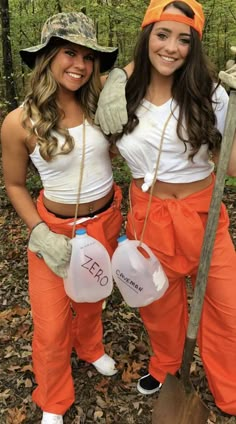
(49, 418)
(105, 365)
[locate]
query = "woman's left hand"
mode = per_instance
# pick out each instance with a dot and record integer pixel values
(111, 114)
(229, 77)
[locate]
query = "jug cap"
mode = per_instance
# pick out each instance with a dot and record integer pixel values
(122, 238)
(80, 231)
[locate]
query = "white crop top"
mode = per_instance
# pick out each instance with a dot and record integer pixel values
(60, 176)
(141, 147)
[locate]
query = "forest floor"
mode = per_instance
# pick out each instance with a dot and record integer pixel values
(99, 399)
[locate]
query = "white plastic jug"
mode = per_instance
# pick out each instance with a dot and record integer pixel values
(138, 273)
(89, 276)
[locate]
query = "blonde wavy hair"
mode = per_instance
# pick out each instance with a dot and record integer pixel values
(42, 113)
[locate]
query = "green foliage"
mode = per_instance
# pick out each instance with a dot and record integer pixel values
(219, 34)
(230, 181)
(121, 171)
(33, 183)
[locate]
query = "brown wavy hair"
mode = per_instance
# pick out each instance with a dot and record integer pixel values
(42, 109)
(192, 89)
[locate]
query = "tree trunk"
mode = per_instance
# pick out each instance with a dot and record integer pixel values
(58, 5)
(11, 98)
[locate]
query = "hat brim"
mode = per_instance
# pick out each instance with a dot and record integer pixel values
(107, 55)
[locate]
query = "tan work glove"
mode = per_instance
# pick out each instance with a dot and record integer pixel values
(111, 112)
(229, 77)
(54, 248)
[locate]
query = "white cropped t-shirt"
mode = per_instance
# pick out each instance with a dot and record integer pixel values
(141, 147)
(60, 176)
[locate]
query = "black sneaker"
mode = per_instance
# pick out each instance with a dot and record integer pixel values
(148, 385)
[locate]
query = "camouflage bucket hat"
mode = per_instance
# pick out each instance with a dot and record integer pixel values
(76, 28)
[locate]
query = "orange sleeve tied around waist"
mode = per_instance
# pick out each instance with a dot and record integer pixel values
(175, 227)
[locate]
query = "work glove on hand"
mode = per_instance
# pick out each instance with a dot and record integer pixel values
(111, 112)
(233, 49)
(229, 77)
(54, 248)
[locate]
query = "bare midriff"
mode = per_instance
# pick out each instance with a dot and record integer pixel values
(175, 191)
(83, 209)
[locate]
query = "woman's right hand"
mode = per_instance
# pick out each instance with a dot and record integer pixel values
(54, 248)
(229, 77)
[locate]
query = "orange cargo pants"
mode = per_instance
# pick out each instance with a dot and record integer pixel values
(175, 231)
(56, 330)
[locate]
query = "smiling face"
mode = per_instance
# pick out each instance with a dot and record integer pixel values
(169, 45)
(72, 66)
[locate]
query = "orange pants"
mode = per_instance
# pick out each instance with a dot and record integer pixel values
(56, 332)
(175, 231)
